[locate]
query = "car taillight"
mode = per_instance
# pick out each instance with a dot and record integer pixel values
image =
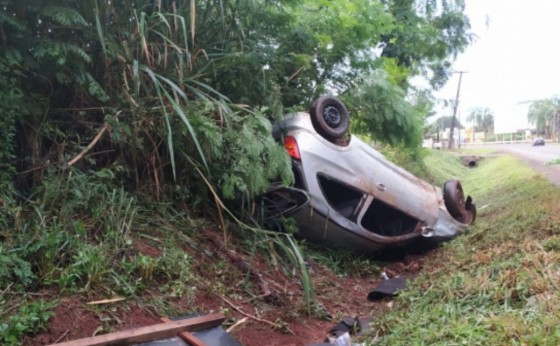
(291, 147)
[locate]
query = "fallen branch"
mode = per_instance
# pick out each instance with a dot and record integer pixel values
(241, 321)
(106, 301)
(238, 309)
(62, 336)
(241, 262)
(90, 145)
(7, 289)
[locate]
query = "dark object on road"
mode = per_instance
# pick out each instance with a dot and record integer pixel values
(349, 195)
(538, 141)
(388, 288)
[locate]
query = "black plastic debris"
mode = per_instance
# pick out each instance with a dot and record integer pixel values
(388, 288)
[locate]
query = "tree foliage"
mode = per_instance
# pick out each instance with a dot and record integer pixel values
(182, 83)
(381, 110)
(442, 124)
(426, 36)
(483, 119)
(545, 115)
(140, 68)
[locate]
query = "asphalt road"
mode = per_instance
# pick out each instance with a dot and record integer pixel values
(537, 157)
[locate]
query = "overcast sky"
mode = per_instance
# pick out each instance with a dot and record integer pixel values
(516, 58)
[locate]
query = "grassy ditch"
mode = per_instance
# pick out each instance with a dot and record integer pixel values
(83, 238)
(497, 284)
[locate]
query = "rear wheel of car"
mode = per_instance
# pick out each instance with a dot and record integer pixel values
(454, 199)
(330, 117)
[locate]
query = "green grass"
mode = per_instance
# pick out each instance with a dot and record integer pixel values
(30, 318)
(82, 236)
(476, 150)
(442, 166)
(499, 283)
(344, 262)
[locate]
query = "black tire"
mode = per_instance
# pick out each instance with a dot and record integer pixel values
(454, 199)
(330, 117)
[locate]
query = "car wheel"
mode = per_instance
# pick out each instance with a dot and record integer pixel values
(470, 211)
(330, 117)
(454, 198)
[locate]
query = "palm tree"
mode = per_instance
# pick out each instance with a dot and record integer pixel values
(544, 115)
(483, 119)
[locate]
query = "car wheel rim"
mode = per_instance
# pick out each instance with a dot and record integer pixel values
(332, 116)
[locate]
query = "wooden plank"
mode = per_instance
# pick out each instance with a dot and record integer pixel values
(188, 337)
(149, 333)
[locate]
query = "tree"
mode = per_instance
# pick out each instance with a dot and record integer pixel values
(427, 34)
(315, 48)
(380, 110)
(441, 124)
(483, 120)
(175, 81)
(545, 115)
(139, 69)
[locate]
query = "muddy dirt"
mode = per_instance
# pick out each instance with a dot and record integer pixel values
(283, 316)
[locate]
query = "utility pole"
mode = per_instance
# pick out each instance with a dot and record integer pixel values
(452, 129)
(459, 135)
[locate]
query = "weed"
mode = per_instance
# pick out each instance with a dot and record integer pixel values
(345, 263)
(176, 267)
(89, 268)
(14, 269)
(30, 319)
(552, 244)
(50, 250)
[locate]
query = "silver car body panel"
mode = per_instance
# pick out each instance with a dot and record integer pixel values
(362, 168)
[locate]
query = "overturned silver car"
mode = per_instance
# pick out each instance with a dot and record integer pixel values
(349, 195)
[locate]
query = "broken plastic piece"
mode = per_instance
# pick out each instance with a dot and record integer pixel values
(388, 288)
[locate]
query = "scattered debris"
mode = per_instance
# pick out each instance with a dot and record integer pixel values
(240, 310)
(242, 262)
(151, 333)
(341, 333)
(388, 288)
(188, 337)
(238, 323)
(106, 301)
